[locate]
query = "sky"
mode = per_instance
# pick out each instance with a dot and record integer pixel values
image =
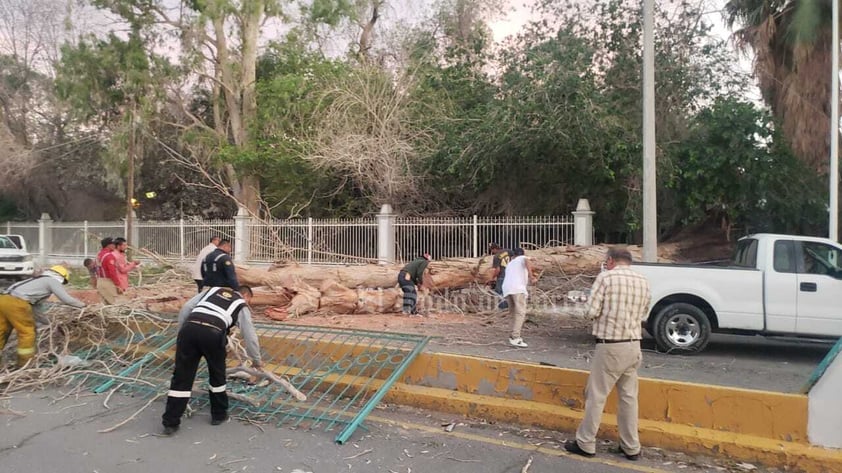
(518, 14)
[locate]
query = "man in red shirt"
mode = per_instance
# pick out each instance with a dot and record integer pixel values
(123, 266)
(107, 277)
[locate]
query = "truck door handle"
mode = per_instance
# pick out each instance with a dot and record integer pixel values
(809, 287)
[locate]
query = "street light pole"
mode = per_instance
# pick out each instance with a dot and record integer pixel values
(650, 204)
(833, 231)
(130, 184)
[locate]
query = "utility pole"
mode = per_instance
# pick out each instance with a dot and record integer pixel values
(650, 204)
(833, 231)
(130, 184)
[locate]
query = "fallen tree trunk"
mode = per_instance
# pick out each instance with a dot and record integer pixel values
(302, 289)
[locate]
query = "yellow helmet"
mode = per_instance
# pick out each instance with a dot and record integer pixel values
(61, 271)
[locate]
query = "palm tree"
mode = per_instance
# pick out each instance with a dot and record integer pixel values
(791, 41)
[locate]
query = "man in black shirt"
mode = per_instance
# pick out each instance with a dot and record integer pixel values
(409, 277)
(203, 332)
(218, 268)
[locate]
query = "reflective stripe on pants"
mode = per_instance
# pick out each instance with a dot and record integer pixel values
(16, 314)
(194, 343)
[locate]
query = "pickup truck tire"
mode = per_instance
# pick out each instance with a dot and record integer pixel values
(681, 328)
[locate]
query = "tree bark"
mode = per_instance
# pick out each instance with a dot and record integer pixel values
(371, 288)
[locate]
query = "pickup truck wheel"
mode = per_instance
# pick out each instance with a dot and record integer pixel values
(682, 328)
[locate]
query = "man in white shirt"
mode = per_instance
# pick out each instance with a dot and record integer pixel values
(518, 275)
(196, 268)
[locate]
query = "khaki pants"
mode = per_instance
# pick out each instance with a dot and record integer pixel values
(17, 314)
(517, 309)
(107, 290)
(612, 364)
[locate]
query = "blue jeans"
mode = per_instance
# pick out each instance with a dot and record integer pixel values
(498, 288)
(410, 294)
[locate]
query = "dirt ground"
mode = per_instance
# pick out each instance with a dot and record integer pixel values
(557, 335)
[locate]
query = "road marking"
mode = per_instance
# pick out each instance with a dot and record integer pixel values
(511, 444)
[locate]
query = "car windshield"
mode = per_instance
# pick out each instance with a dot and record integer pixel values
(6, 243)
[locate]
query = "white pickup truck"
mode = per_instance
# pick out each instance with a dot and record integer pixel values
(780, 285)
(15, 261)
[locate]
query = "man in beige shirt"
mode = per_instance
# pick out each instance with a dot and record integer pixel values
(620, 300)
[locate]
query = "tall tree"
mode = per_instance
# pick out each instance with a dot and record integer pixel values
(30, 34)
(791, 42)
(220, 45)
(371, 130)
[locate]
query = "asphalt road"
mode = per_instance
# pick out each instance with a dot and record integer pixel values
(46, 432)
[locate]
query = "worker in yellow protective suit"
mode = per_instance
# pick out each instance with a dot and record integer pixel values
(16, 308)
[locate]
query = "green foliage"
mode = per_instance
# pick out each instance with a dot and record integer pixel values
(99, 78)
(8, 210)
(734, 168)
(550, 116)
(292, 80)
(329, 12)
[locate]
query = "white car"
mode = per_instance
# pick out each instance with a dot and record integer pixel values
(15, 261)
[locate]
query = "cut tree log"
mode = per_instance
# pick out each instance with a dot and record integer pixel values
(303, 289)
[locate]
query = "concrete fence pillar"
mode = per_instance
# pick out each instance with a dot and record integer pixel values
(583, 224)
(134, 236)
(824, 416)
(45, 237)
(241, 235)
(386, 235)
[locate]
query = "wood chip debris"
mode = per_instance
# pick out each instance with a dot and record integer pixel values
(365, 452)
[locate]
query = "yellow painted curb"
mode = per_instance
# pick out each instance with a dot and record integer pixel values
(777, 416)
(754, 426)
(795, 456)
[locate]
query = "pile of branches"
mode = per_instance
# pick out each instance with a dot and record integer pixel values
(67, 330)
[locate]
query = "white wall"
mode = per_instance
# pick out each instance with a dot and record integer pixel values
(824, 418)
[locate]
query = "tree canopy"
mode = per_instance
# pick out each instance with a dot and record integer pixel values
(340, 107)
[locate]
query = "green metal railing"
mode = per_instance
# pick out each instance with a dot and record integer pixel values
(343, 373)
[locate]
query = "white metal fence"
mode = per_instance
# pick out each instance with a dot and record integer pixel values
(306, 240)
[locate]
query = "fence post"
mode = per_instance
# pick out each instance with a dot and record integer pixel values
(44, 238)
(385, 235)
(85, 237)
(8, 228)
(309, 240)
(241, 237)
(181, 238)
(583, 224)
(475, 234)
(135, 230)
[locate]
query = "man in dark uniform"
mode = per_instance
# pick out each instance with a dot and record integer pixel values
(218, 268)
(501, 259)
(203, 333)
(409, 277)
